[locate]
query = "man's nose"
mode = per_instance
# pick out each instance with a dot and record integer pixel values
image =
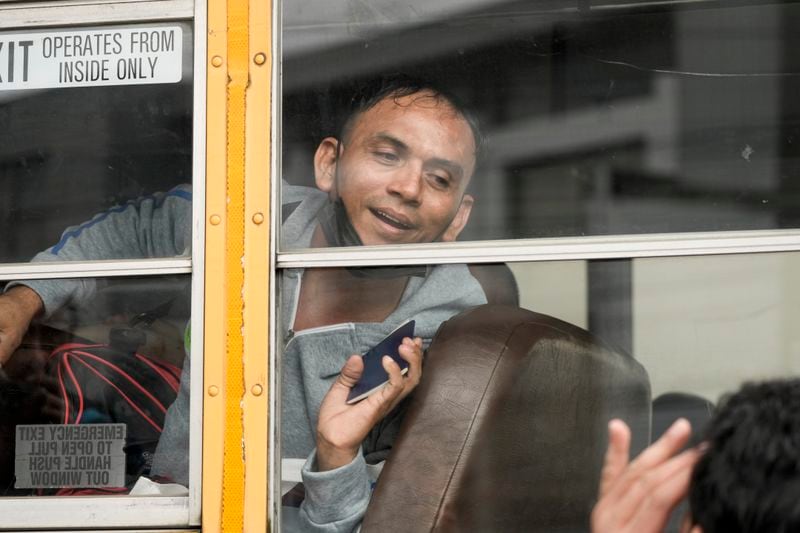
(407, 184)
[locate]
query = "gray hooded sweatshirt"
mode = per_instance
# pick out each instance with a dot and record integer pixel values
(160, 226)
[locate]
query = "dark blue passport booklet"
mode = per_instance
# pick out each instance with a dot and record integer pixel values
(374, 376)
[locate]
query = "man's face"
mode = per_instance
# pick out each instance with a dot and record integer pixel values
(402, 171)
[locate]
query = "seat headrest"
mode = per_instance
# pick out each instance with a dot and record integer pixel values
(507, 429)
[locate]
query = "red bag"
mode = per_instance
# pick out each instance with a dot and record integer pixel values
(100, 384)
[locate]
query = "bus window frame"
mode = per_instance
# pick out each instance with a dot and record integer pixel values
(128, 511)
(27, 15)
(578, 248)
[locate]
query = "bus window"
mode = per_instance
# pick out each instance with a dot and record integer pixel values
(99, 170)
(107, 364)
(624, 168)
(74, 146)
(598, 121)
(695, 328)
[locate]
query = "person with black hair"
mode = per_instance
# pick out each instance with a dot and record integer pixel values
(744, 477)
(397, 173)
(748, 479)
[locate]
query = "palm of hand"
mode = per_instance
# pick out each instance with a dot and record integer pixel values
(341, 428)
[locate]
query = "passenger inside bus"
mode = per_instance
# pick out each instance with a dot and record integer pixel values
(744, 476)
(398, 173)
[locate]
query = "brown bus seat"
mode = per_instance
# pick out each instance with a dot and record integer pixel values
(507, 430)
(497, 281)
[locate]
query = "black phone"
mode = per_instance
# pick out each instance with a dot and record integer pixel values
(374, 376)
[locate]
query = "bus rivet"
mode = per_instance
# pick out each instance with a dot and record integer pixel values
(258, 219)
(215, 220)
(260, 58)
(258, 390)
(213, 390)
(216, 61)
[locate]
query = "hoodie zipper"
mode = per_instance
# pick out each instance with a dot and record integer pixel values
(291, 334)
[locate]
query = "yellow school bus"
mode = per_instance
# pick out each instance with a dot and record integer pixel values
(625, 173)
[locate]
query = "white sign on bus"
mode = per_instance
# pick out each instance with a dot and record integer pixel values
(63, 455)
(97, 57)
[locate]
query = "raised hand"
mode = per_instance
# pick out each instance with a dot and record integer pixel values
(341, 427)
(638, 497)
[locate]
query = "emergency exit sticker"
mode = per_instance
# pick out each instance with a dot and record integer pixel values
(68, 456)
(85, 58)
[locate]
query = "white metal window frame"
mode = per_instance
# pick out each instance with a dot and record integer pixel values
(549, 249)
(86, 12)
(126, 511)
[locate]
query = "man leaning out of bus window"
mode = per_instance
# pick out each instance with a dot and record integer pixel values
(397, 173)
(744, 477)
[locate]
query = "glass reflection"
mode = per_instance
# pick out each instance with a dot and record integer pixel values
(68, 154)
(637, 119)
(85, 394)
(521, 389)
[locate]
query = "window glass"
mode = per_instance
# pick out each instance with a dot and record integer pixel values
(91, 118)
(638, 119)
(85, 394)
(521, 389)
(96, 165)
(482, 120)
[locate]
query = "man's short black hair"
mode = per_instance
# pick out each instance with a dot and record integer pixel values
(397, 86)
(748, 480)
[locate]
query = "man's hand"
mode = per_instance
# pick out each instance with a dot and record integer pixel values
(639, 497)
(342, 427)
(18, 307)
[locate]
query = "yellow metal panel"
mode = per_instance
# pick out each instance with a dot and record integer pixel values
(214, 328)
(235, 477)
(257, 268)
(233, 467)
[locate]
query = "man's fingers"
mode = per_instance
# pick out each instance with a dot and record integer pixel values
(616, 459)
(665, 447)
(651, 491)
(411, 351)
(351, 371)
(384, 399)
(628, 484)
(375, 406)
(397, 387)
(661, 450)
(348, 377)
(654, 513)
(649, 496)
(396, 383)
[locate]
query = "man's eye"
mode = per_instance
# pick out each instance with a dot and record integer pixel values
(388, 157)
(441, 182)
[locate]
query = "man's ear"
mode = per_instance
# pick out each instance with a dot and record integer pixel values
(325, 160)
(460, 220)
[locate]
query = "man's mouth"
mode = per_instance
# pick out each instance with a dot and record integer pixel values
(393, 219)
